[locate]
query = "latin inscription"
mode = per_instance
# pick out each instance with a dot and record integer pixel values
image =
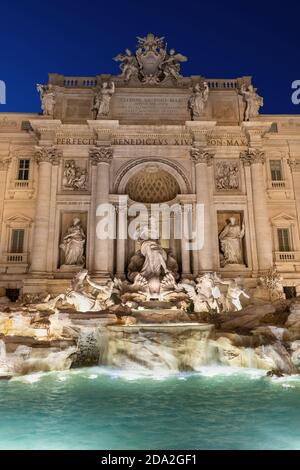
(75, 141)
(151, 107)
(227, 142)
(151, 141)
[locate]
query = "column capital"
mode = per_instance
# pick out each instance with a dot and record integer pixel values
(101, 155)
(4, 164)
(294, 165)
(48, 154)
(199, 155)
(252, 155)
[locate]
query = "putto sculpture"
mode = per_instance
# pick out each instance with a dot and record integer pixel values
(253, 101)
(102, 100)
(47, 96)
(198, 99)
(152, 63)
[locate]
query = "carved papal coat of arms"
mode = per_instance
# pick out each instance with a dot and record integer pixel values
(151, 63)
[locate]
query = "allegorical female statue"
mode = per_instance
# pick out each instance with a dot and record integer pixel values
(47, 97)
(102, 100)
(253, 101)
(73, 244)
(231, 242)
(198, 99)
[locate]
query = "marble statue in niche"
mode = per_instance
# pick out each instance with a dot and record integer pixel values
(227, 175)
(74, 178)
(102, 100)
(231, 242)
(197, 100)
(74, 243)
(47, 97)
(253, 101)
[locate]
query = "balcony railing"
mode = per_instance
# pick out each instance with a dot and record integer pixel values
(278, 184)
(22, 184)
(287, 256)
(15, 258)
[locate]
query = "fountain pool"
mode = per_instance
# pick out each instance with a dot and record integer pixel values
(104, 408)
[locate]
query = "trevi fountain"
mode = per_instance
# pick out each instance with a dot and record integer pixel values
(127, 343)
(132, 336)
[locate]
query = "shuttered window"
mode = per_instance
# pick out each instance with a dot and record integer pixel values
(17, 241)
(284, 239)
(276, 170)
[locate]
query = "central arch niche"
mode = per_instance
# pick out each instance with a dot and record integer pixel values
(152, 185)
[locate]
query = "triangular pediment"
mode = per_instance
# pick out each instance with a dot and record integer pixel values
(283, 218)
(18, 218)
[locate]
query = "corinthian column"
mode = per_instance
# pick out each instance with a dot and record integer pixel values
(101, 157)
(202, 160)
(255, 157)
(45, 157)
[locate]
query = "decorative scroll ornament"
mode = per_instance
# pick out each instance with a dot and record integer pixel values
(47, 154)
(101, 155)
(201, 156)
(151, 63)
(294, 164)
(4, 164)
(252, 155)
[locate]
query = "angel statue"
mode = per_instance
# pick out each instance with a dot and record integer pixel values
(102, 100)
(129, 65)
(47, 97)
(171, 64)
(253, 101)
(197, 100)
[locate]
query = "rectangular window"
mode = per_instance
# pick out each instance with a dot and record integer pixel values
(17, 241)
(284, 239)
(23, 169)
(276, 170)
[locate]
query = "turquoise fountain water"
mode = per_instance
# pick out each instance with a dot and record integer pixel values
(101, 408)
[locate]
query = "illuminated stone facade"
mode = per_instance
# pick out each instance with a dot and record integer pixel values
(147, 137)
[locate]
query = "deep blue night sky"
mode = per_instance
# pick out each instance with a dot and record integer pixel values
(221, 39)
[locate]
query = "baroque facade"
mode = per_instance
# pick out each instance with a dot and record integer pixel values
(147, 135)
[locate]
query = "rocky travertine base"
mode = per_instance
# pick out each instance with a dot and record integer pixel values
(157, 338)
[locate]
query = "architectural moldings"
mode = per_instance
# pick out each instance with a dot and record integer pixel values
(101, 155)
(252, 155)
(48, 154)
(201, 156)
(129, 169)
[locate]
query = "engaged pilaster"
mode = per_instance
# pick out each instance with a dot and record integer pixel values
(101, 158)
(255, 158)
(45, 157)
(202, 159)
